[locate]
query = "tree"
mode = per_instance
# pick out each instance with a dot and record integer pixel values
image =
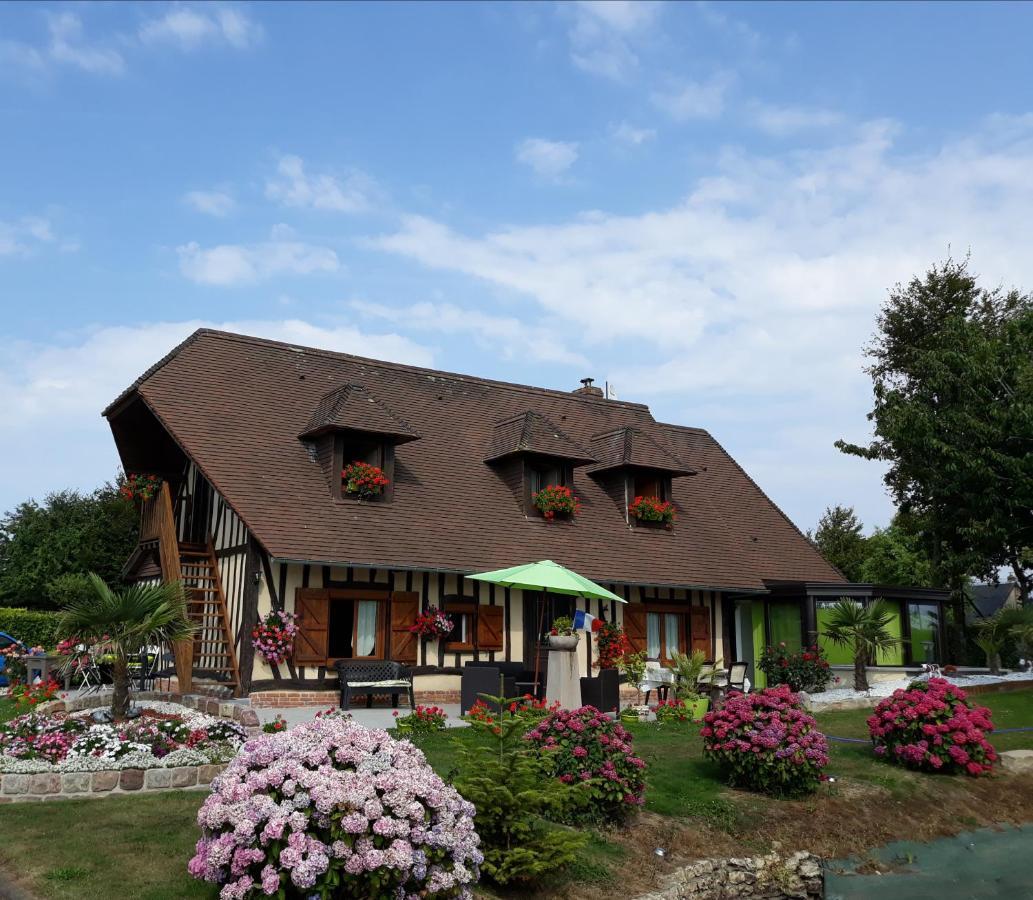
(862, 629)
(47, 549)
(993, 634)
(952, 375)
(839, 538)
(124, 622)
(895, 555)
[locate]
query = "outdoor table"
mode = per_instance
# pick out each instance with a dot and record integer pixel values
(659, 679)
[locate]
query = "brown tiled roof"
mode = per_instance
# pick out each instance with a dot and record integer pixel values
(629, 446)
(353, 407)
(531, 432)
(237, 404)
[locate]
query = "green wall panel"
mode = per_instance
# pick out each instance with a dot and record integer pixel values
(759, 643)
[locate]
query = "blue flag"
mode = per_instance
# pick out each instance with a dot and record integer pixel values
(583, 621)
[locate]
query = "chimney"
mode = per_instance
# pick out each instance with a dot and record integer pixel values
(588, 388)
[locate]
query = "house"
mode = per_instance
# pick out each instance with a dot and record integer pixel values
(987, 599)
(251, 436)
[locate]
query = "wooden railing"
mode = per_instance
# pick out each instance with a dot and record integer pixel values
(149, 518)
(157, 513)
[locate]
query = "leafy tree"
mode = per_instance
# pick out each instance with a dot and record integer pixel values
(839, 538)
(993, 634)
(47, 549)
(862, 629)
(952, 373)
(122, 623)
(895, 555)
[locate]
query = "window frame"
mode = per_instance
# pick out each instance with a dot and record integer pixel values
(533, 465)
(684, 639)
(465, 609)
(354, 596)
(352, 446)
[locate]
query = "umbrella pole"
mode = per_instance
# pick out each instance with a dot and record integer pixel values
(538, 644)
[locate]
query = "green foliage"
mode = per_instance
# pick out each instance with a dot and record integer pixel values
(687, 667)
(805, 670)
(34, 628)
(862, 629)
(952, 375)
(121, 622)
(839, 538)
(1004, 626)
(515, 795)
(69, 534)
(633, 666)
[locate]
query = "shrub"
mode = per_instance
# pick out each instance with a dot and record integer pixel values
(931, 726)
(807, 670)
(511, 787)
(766, 742)
(276, 725)
(585, 745)
(330, 808)
(30, 626)
(672, 712)
(611, 644)
(530, 710)
(422, 720)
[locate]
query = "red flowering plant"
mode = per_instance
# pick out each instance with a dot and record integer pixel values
(422, 720)
(432, 623)
(29, 696)
(766, 742)
(931, 726)
(276, 725)
(611, 644)
(584, 745)
(555, 500)
(653, 509)
(273, 636)
(531, 710)
(807, 670)
(140, 487)
(672, 712)
(363, 480)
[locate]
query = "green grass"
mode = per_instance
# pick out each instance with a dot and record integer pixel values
(8, 709)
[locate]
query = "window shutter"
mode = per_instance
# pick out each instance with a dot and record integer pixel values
(635, 626)
(404, 607)
(310, 643)
(699, 623)
(490, 625)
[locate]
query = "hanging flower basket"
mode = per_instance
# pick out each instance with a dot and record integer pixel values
(273, 636)
(650, 509)
(556, 502)
(432, 624)
(140, 487)
(363, 480)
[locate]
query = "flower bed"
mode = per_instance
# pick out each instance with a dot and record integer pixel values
(165, 735)
(330, 808)
(806, 670)
(765, 742)
(931, 726)
(586, 745)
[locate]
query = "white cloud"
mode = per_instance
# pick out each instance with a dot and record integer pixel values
(190, 27)
(695, 99)
(21, 238)
(211, 203)
(550, 159)
(760, 287)
(782, 121)
(68, 46)
(235, 264)
(603, 34)
(626, 133)
(505, 335)
(293, 186)
(54, 391)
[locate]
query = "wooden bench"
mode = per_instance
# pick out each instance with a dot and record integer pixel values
(371, 677)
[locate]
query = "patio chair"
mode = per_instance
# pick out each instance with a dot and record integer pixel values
(737, 676)
(706, 674)
(487, 678)
(89, 671)
(602, 692)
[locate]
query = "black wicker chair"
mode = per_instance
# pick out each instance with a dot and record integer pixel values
(371, 677)
(603, 691)
(488, 678)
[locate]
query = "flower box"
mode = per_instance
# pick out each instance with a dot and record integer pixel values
(362, 480)
(651, 511)
(556, 502)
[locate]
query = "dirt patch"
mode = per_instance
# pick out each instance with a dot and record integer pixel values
(847, 821)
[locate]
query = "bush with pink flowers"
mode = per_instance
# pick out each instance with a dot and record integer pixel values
(766, 742)
(586, 745)
(332, 809)
(930, 725)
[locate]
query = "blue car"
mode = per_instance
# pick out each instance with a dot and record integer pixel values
(5, 641)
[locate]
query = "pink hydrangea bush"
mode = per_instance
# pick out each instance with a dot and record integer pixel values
(930, 725)
(332, 809)
(586, 745)
(766, 742)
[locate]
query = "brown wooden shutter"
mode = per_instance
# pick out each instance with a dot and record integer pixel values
(405, 606)
(699, 624)
(313, 608)
(635, 626)
(490, 625)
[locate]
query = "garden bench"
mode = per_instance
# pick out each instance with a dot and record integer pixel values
(371, 677)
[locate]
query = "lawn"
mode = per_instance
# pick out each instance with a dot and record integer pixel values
(82, 848)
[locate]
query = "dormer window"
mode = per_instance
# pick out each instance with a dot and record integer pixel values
(543, 474)
(651, 484)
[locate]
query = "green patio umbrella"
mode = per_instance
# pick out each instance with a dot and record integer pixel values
(547, 575)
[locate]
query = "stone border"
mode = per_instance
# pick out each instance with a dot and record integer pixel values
(771, 877)
(1001, 687)
(292, 697)
(239, 711)
(18, 788)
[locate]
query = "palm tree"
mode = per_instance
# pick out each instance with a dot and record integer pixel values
(993, 634)
(863, 630)
(121, 622)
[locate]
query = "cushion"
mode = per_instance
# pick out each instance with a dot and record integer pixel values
(379, 684)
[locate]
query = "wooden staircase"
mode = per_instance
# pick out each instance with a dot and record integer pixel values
(213, 655)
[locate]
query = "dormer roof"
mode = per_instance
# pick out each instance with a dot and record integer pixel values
(352, 407)
(628, 447)
(531, 432)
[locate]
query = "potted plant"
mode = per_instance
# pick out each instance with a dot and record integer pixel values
(140, 487)
(611, 644)
(556, 502)
(562, 635)
(687, 667)
(431, 624)
(363, 480)
(653, 510)
(633, 667)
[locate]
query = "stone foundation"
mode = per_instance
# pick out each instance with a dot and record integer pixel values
(771, 877)
(327, 699)
(239, 711)
(78, 785)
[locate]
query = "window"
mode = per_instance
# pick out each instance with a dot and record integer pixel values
(352, 448)
(665, 635)
(649, 486)
(355, 628)
(543, 476)
(540, 473)
(924, 645)
(463, 616)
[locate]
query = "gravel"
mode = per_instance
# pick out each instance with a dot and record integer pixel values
(881, 689)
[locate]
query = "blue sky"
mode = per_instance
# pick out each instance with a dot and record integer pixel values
(702, 203)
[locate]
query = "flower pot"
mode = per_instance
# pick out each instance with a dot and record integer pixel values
(700, 708)
(563, 641)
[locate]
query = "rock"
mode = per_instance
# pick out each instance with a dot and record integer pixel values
(185, 776)
(205, 774)
(805, 700)
(249, 718)
(46, 783)
(16, 784)
(1017, 760)
(157, 779)
(104, 781)
(75, 782)
(131, 779)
